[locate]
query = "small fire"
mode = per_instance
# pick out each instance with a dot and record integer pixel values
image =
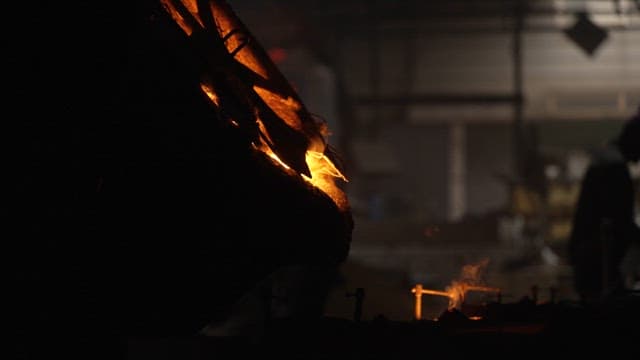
(323, 171)
(323, 174)
(470, 280)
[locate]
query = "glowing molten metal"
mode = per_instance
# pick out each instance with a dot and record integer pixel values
(251, 94)
(456, 292)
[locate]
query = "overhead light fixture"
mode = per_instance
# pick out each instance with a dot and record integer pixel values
(586, 34)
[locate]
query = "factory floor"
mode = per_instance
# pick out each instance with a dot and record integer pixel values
(524, 330)
(388, 259)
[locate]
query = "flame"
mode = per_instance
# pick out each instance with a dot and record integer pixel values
(287, 108)
(323, 173)
(187, 25)
(470, 280)
(211, 93)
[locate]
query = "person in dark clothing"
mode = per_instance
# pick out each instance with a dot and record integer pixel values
(604, 221)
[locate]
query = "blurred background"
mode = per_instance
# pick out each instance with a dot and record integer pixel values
(465, 127)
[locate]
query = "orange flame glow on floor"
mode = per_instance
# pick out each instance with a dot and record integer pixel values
(470, 280)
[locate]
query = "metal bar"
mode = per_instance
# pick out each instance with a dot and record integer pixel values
(518, 149)
(374, 65)
(421, 99)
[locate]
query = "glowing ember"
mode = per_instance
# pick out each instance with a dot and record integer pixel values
(470, 280)
(323, 174)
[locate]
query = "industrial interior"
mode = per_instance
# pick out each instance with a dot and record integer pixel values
(458, 134)
(467, 127)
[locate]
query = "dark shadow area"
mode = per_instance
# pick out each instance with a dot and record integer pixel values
(135, 211)
(136, 219)
(604, 229)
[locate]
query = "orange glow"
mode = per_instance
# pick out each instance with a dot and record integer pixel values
(211, 93)
(226, 24)
(418, 290)
(286, 109)
(323, 173)
(187, 25)
(457, 291)
(220, 21)
(470, 280)
(278, 55)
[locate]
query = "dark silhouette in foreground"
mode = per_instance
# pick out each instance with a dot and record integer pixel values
(139, 212)
(604, 225)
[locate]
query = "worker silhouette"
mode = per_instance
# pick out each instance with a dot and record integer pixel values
(604, 225)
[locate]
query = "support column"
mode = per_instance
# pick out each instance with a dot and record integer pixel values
(457, 197)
